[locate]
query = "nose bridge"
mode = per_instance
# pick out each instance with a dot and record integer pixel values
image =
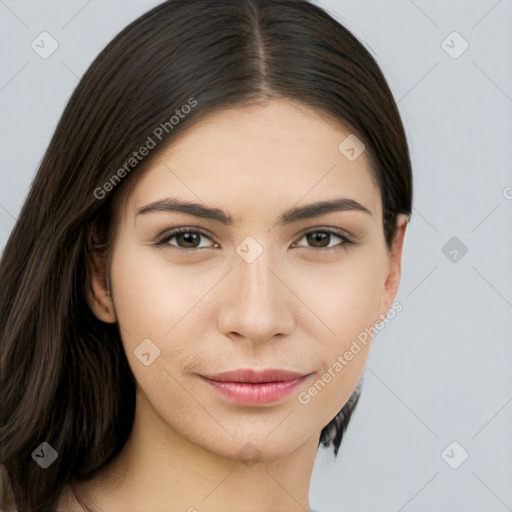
(256, 304)
(253, 272)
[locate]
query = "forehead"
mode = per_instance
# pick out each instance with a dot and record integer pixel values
(257, 158)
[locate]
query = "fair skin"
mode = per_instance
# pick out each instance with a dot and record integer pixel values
(208, 310)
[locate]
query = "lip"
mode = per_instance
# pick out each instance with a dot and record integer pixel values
(251, 386)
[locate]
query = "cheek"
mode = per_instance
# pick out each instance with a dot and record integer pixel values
(151, 296)
(155, 302)
(344, 296)
(346, 300)
(169, 305)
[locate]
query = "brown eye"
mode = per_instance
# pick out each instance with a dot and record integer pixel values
(186, 238)
(320, 239)
(326, 239)
(189, 239)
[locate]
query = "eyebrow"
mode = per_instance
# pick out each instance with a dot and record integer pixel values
(287, 217)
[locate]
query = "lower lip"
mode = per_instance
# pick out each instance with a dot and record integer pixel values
(250, 394)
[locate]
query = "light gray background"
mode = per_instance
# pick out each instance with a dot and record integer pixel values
(441, 370)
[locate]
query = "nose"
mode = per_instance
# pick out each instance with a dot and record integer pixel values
(256, 303)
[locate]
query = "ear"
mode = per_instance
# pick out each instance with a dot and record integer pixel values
(394, 268)
(99, 297)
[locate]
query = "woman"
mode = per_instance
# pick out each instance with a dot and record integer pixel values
(217, 220)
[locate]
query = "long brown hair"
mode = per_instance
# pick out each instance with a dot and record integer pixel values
(65, 378)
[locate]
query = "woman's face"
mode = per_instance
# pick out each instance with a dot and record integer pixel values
(260, 292)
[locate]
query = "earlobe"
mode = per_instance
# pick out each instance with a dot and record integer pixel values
(99, 297)
(393, 276)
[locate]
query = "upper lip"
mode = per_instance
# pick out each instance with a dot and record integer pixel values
(256, 375)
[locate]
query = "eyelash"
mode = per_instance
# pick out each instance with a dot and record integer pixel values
(164, 239)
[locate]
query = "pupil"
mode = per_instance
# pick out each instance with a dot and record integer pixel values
(319, 237)
(189, 235)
